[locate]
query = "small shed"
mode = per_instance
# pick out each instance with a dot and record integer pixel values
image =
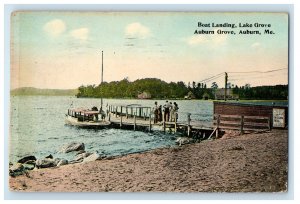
(277, 113)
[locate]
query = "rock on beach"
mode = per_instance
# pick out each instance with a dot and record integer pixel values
(27, 158)
(74, 146)
(45, 163)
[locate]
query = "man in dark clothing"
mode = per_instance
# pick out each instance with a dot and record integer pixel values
(155, 110)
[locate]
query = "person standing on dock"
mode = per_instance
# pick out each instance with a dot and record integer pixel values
(159, 119)
(155, 111)
(167, 111)
(176, 111)
(171, 119)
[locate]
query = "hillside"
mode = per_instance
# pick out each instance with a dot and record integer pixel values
(30, 91)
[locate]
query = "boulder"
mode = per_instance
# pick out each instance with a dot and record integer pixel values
(74, 146)
(16, 169)
(30, 162)
(49, 156)
(45, 163)
(82, 156)
(62, 162)
(93, 157)
(79, 152)
(184, 140)
(26, 158)
(29, 166)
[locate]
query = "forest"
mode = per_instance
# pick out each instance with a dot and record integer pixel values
(159, 89)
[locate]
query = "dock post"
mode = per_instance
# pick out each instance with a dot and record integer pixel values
(164, 122)
(189, 123)
(109, 116)
(218, 124)
(150, 123)
(242, 124)
(131, 111)
(121, 121)
(121, 110)
(134, 125)
(175, 125)
(126, 112)
(145, 116)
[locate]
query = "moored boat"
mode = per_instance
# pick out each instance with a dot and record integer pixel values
(81, 117)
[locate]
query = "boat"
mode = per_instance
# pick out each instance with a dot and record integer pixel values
(88, 118)
(81, 117)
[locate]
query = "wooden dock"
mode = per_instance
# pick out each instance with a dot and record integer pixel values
(135, 117)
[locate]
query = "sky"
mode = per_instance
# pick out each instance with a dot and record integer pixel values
(62, 50)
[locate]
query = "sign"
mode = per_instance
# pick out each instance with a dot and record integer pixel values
(278, 117)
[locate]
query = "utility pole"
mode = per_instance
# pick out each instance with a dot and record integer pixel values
(102, 79)
(102, 69)
(226, 79)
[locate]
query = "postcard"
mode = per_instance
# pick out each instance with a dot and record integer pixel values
(149, 101)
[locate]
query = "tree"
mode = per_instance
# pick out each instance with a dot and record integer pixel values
(214, 85)
(247, 86)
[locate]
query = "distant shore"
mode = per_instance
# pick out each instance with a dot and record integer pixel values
(248, 163)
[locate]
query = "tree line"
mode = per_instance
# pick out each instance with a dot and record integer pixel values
(159, 89)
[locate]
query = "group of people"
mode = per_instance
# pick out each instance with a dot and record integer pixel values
(170, 111)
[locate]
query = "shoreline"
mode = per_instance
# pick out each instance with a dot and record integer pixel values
(246, 163)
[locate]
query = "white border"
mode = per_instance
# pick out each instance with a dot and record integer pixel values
(189, 5)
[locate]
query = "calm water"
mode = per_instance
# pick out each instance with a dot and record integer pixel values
(38, 128)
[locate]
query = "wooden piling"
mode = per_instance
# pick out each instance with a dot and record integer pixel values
(134, 125)
(150, 123)
(218, 124)
(126, 112)
(175, 125)
(121, 121)
(109, 116)
(242, 124)
(189, 124)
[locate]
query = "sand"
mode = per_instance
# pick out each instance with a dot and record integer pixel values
(247, 163)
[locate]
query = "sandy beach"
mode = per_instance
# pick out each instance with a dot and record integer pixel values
(247, 163)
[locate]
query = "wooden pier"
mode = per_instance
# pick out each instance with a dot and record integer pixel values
(136, 117)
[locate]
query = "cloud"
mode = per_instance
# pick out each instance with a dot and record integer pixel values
(256, 45)
(80, 34)
(55, 27)
(137, 30)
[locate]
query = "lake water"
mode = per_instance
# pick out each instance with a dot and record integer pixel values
(38, 128)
